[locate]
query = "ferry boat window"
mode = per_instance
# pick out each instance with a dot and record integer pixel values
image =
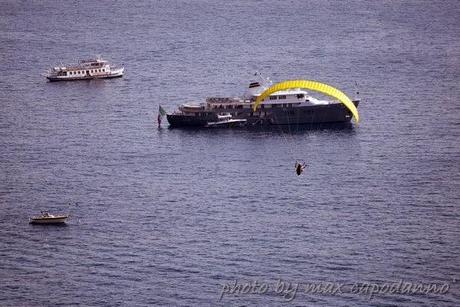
(300, 96)
(273, 97)
(282, 97)
(103, 69)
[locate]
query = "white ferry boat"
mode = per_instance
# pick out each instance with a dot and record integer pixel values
(85, 70)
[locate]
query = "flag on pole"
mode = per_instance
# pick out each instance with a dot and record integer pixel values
(161, 111)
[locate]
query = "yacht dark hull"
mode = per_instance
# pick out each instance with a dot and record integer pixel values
(314, 114)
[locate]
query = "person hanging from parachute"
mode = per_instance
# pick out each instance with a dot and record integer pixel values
(312, 85)
(299, 167)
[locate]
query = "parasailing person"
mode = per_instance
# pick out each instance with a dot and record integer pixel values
(299, 167)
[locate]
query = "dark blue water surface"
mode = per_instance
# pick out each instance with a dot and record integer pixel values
(170, 217)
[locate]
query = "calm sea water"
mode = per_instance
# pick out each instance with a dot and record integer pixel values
(170, 217)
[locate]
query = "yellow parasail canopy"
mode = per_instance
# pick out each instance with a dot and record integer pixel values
(311, 85)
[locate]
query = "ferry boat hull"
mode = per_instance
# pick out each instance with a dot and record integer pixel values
(87, 77)
(302, 115)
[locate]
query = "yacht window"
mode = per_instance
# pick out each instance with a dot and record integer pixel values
(103, 69)
(282, 97)
(273, 97)
(300, 96)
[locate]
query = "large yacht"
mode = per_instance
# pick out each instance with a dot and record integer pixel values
(85, 70)
(287, 107)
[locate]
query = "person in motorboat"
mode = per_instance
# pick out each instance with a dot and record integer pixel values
(299, 167)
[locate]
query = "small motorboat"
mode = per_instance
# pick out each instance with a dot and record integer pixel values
(226, 121)
(48, 219)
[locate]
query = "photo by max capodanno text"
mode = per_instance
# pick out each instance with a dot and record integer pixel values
(288, 290)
